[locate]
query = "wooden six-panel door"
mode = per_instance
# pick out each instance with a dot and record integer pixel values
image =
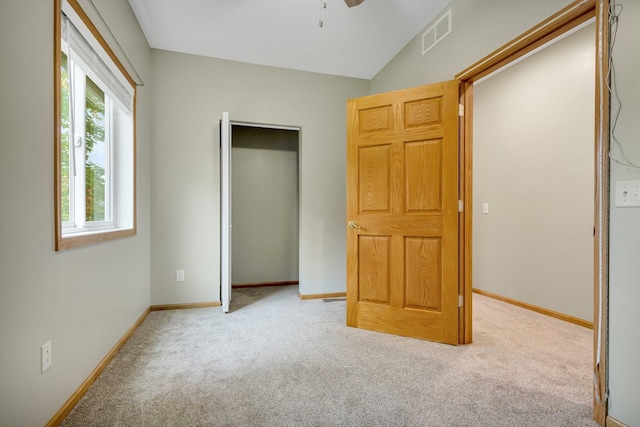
(402, 212)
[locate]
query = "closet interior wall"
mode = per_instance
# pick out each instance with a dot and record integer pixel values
(265, 205)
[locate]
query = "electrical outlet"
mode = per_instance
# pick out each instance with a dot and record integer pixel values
(45, 356)
(628, 194)
(179, 275)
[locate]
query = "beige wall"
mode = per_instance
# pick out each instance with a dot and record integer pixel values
(192, 92)
(85, 299)
(624, 286)
(264, 205)
(479, 28)
(533, 165)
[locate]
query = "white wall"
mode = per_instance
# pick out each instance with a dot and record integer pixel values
(192, 92)
(480, 28)
(85, 299)
(533, 164)
(264, 205)
(624, 279)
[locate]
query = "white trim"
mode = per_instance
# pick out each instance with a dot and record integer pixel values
(264, 125)
(225, 193)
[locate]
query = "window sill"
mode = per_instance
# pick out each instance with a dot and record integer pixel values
(75, 240)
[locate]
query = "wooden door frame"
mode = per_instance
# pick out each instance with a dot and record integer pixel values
(566, 19)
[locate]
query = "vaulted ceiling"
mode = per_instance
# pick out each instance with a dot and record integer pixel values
(352, 42)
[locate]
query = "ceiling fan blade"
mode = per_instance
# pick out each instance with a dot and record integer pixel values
(352, 3)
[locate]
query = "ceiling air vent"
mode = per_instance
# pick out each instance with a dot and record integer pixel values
(436, 32)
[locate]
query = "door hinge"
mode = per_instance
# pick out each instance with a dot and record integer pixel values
(460, 300)
(461, 110)
(460, 206)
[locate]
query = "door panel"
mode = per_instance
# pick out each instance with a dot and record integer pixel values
(374, 268)
(375, 168)
(225, 203)
(375, 119)
(402, 205)
(423, 176)
(423, 287)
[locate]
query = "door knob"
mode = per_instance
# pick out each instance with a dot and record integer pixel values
(353, 225)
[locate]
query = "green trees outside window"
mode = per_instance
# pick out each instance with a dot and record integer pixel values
(96, 153)
(96, 149)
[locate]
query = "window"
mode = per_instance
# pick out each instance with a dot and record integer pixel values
(95, 144)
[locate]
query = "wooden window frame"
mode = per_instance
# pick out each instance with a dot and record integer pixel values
(73, 240)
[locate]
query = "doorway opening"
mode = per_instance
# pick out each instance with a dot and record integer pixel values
(260, 202)
(567, 19)
(533, 179)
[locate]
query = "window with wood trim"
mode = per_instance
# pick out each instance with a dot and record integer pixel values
(94, 135)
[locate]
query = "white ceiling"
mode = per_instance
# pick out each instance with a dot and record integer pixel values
(353, 42)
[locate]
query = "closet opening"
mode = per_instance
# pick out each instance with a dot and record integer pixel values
(264, 200)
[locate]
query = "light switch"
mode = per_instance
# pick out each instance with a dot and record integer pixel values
(485, 208)
(179, 275)
(628, 194)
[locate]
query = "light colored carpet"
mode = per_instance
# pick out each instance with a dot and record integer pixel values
(278, 361)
